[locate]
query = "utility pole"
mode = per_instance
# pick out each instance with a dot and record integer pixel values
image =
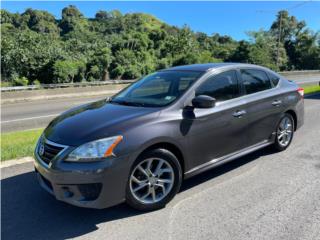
(280, 24)
(279, 39)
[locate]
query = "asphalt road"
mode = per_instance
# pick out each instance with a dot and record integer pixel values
(264, 195)
(37, 114)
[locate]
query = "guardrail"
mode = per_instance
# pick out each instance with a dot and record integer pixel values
(65, 85)
(301, 72)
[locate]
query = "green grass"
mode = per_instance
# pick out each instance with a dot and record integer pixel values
(18, 144)
(311, 89)
(5, 84)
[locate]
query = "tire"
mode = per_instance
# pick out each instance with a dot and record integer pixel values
(162, 185)
(279, 144)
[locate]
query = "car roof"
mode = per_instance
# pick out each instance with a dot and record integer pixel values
(209, 66)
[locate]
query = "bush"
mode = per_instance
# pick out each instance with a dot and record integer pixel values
(20, 81)
(36, 82)
(6, 84)
(66, 71)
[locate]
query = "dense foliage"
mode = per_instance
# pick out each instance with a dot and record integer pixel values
(37, 48)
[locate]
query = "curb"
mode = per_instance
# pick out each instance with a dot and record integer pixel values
(10, 163)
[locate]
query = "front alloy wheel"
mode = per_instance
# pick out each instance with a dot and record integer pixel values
(154, 180)
(151, 180)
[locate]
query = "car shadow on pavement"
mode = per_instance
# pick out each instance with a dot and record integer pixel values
(313, 96)
(28, 212)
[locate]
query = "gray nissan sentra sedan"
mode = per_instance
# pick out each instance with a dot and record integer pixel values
(139, 145)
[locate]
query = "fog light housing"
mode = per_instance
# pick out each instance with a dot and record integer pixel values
(90, 191)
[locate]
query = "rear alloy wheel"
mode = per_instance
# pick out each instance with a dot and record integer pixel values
(285, 131)
(154, 180)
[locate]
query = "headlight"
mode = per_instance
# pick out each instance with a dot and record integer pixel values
(95, 150)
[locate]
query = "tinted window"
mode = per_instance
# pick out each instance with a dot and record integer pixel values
(222, 87)
(274, 78)
(158, 86)
(255, 80)
(158, 89)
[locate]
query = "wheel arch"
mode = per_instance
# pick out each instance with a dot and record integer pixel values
(294, 116)
(173, 148)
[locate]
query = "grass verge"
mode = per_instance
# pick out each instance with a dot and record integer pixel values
(19, 144)
(311, 89)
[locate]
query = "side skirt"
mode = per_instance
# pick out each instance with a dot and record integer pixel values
(221, 160)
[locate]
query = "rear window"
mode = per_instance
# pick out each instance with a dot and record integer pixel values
(255, 80)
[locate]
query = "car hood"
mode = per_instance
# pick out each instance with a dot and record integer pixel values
(94, 121)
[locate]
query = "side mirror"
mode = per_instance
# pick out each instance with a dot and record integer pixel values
(203, 101)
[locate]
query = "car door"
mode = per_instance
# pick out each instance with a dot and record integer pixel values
(264, 104)
(220, 130)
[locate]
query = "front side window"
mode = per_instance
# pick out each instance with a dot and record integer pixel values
(274, 78)
(157, 89)
(255, 80)
(223, 86)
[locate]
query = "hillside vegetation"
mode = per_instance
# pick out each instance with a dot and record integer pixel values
(37, 48)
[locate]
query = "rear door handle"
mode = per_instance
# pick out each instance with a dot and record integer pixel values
(276, 102)
(239, 113)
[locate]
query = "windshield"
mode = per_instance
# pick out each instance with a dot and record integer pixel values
(157, 90)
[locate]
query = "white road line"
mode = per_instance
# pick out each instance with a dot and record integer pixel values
(31, 118)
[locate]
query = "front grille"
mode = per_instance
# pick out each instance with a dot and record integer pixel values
(49, 151)
(90, 191)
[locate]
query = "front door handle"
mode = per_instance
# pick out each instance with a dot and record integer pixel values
(239, 113)
(276, 102)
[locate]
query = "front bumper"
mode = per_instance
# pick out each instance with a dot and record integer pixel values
(93, 185)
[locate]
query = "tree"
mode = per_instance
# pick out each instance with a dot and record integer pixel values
(6, 17)
(304, 52)
(103, 15)
(36, 47)
(286, 27)
(264, 51)
(300, 43)
(241, 53)
(65, 71)
(40, 21)
(71, 19)
(130, 65)
(28, 54)
(99, 64)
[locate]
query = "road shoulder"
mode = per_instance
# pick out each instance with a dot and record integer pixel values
(13, 162)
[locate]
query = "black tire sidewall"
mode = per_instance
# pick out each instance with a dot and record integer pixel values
(173, 161)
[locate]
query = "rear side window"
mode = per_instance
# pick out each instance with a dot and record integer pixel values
(274, 78)
(223, 86)
(255, 80)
